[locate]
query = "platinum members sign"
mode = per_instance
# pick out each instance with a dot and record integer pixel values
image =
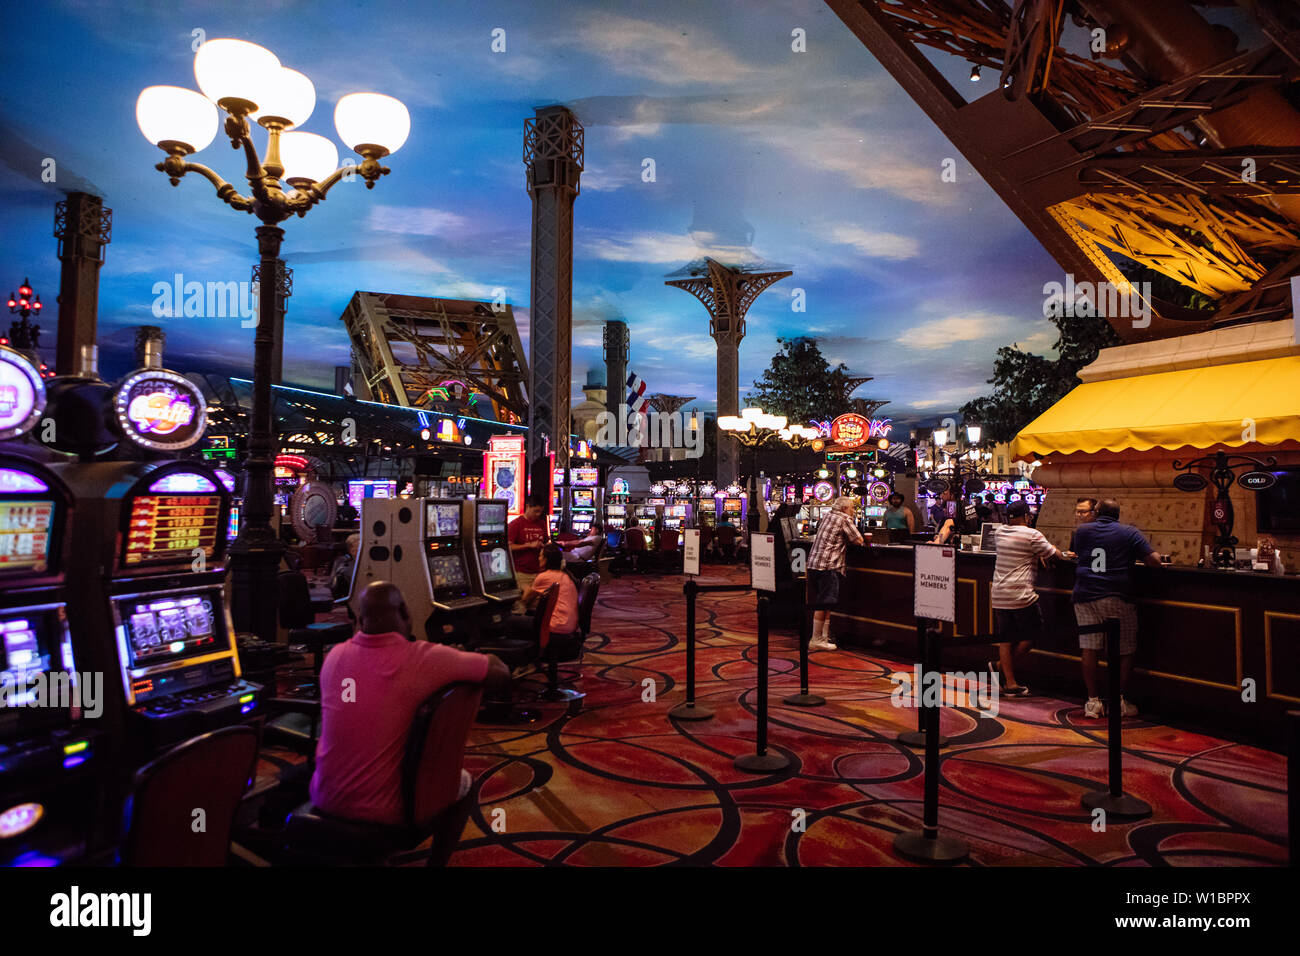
(934, 582)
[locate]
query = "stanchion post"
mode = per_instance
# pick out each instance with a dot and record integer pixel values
(761, 761)
(804, 698)
(1113, 800)
(917, 738)
(689, 710)
(927, 845)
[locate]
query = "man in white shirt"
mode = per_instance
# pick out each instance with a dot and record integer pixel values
(1018, 617)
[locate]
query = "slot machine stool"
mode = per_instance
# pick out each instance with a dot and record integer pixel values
(517, 653)
(431, 801)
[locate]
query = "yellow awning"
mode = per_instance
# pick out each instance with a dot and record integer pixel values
(1201, 407)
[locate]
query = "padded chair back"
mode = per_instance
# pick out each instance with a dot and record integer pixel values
(706, 536)
(435, 752)
(668, 539)
(634, 539)
(726, 535)
(209, 772)
(295, 601)
(587, 591)
(542, 618)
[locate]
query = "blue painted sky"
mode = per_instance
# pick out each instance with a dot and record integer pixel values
(816, 161)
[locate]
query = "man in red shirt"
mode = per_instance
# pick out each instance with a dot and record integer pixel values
(371, 687)
(527, 535)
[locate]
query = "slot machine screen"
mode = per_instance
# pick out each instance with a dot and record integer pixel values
(495, 564)
(491, 518)
(447, 571)
(33, 644)
(557, 499)
(442, 519)
(617, 511)
(731, 506)
(584, 498)
(163, 628)
(167, 528)
(26, 528)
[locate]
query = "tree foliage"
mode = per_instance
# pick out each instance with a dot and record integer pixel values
(1025, 385)
(800, 384)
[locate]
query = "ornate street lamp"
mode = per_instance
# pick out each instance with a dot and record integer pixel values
(26, 303)
(247, 82)
(753, 428)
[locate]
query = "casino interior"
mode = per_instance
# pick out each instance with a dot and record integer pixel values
(187, 559)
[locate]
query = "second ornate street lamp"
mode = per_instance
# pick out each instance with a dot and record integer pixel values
(754, 428)
(22, 334)
(247, 82)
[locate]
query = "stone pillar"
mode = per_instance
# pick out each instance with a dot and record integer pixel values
(83, 227)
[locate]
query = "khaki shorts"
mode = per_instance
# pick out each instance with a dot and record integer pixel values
(1096, 612)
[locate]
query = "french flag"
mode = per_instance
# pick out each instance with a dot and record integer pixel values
(636, 399)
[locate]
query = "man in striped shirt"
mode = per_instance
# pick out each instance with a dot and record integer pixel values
(1015, 602)
(835, 531)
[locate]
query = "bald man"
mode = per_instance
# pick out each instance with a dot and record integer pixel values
(371, 687)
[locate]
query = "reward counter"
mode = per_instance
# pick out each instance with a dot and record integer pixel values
(1219, 648)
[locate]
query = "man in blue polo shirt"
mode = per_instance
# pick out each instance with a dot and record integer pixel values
(1103, 588)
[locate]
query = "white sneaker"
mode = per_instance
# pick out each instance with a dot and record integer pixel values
(1126, 709)
(1094, 708)
(821, 645)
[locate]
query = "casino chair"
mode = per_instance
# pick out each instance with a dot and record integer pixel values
(727, 542)
(557, 649)
(431, 801)
(634, 548)
(211, 771)
(297, 720)
(516, 653)
(668, 556)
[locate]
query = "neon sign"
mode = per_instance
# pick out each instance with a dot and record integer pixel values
(851, 430)
(160, 410)
(22, 394)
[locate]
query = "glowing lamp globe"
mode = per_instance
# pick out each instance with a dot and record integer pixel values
(171, 114)
(287, 100)
(307, 158)
(235, 73)
(372, 122)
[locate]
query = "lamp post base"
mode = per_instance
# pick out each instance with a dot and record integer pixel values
(254, 585)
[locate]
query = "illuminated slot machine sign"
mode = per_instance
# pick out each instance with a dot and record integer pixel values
(182, 513)
(160, 410)
(504, 470)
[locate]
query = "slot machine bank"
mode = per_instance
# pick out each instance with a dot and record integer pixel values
(50, 739)
(150, 606)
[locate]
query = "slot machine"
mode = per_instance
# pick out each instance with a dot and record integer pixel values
(416, 544)
(707, 512)
(49, 739)
(734, 508)
(675, 517)
(647, 517)
(488, 554)
(615, 516)
(585, 496)
(150, 603)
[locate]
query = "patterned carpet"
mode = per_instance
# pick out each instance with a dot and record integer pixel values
(621, 783)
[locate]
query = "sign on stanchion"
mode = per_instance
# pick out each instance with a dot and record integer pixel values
(934, 598)
(691, 552)
(762, 562)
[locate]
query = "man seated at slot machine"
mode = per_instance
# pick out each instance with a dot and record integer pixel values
(565, 616)
(527, 535)
(585, 547)
(371, 687)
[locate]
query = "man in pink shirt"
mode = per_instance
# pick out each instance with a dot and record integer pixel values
(371, 687)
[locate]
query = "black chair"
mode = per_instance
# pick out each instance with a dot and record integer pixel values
(295, 719)
(566, 648)
(516, 653)
(431, 801)
(210, 772)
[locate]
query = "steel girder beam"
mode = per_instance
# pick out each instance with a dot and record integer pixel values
(1244, 173)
